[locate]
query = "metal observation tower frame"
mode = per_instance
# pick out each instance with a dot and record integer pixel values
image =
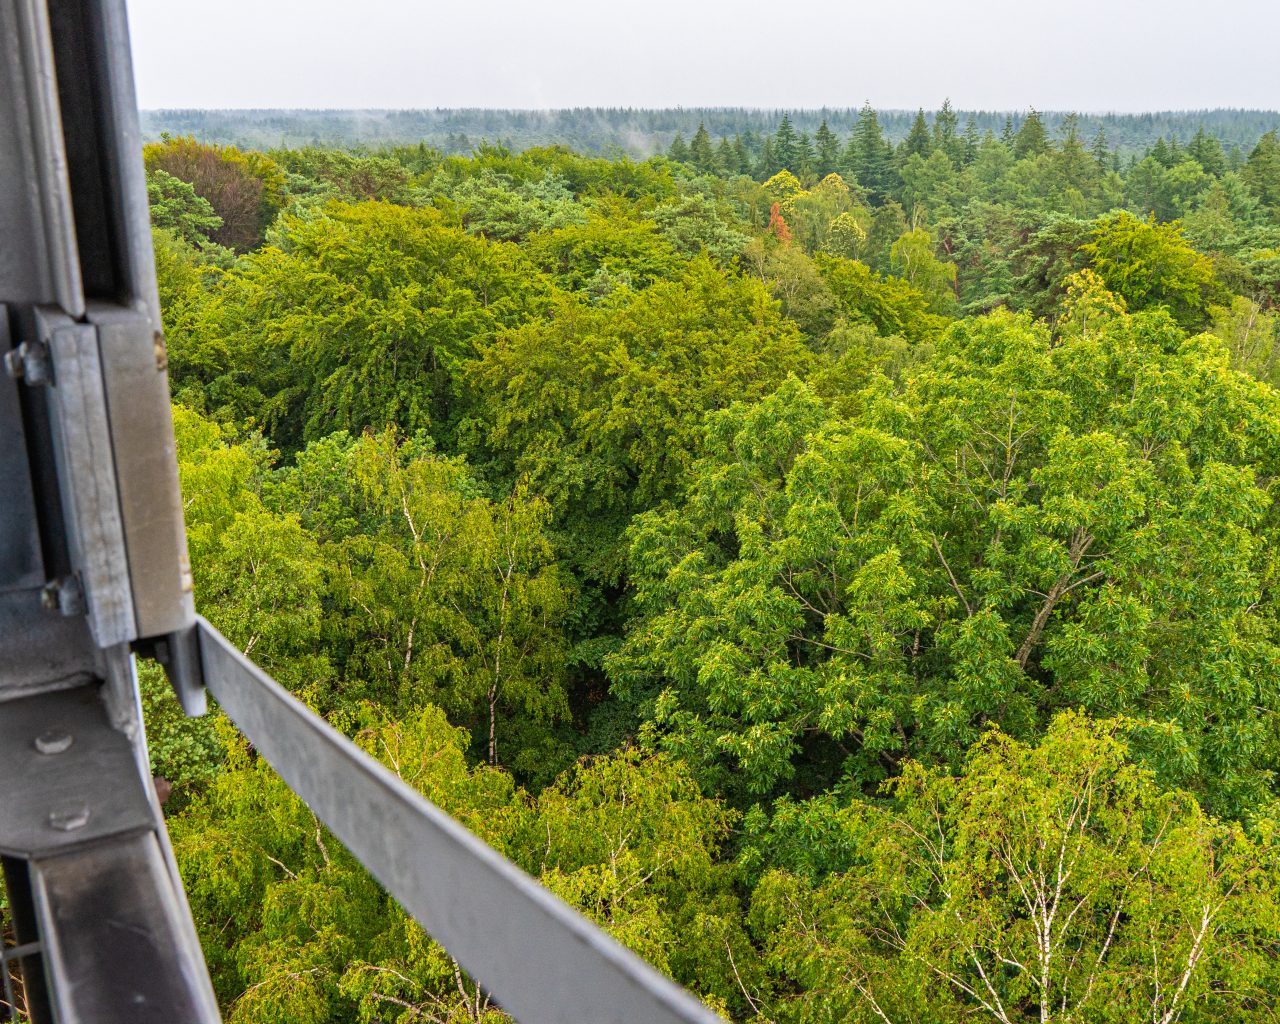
(94, 572)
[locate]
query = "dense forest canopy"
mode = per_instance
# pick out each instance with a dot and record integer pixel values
(640, 133)
(843, 562)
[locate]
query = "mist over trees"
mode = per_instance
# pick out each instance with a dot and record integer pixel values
(640, 133)
(837, 552)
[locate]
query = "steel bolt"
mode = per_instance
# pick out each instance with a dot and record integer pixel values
(63, 595)
(69, 819)
(28, 362)
(55, 741)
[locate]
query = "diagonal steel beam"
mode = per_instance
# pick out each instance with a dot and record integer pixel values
(541, 960)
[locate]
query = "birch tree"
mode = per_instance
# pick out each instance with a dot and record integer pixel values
(1046, 883)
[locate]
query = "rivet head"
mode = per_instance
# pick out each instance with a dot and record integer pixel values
(55, 741)
(68, 819)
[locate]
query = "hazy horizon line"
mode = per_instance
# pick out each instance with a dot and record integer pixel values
(1114, 112)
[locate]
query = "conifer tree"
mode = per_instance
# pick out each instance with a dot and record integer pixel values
(805, 155)
(1262, 170)
(1101, 151)
(868, 157)
(919, 141)
(1007, 135)
(679, 150)
(768, 165)
(946, 136)
(726, 157)
(701, 155)
(1206, 150)
(1032, 139)
(827, 151)
(786, 146)
(971, 140)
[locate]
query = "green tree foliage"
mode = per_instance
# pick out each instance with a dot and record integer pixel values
(826, 151)
(812, 213)
(1011, 536)
(258, 576)
(632, 842)
(445, 597)
(825, 532)
(244, 189)
(1151, 265)
(1045, 882)
(786, 146)
(1262, 172)
(608, 251)
(183, 276)
(350, 177)
(679, 149)
(500, 208)
(176, 207)
(695, 224)
(629, 840)
(912, 258)
(891, 305)
(364, 315)
(257, 572)
(1032, 139)
(315, 939)
(868, 156)
(701, 153)
(599, 408)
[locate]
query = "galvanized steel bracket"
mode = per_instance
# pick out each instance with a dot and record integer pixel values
(73, 779)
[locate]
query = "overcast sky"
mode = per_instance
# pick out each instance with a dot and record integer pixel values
(1087, 55)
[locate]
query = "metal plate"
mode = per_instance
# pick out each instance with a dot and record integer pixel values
(87, 477)
(117, 946)
(543, 961)
(44, 792)
(40, 649)
(137, 389)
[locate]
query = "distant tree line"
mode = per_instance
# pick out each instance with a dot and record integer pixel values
(640, 132)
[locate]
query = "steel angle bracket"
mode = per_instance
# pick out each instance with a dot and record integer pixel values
(87, 476)
(541, 960)
(135, 381)
(115, 937)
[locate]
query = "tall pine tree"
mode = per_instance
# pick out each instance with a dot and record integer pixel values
(805, 156)
(1101, 150)
(946, 133)
(1206, 150)
(971, 140)
(827, 151)
(786, 146)
(727, 158)
(919, 141)
(701, 153)
(1032, 139)
(868, 158)
(679, 149)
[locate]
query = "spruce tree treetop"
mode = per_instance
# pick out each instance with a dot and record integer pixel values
(826, 151)
(701, 155)
(919, 141)
(1032, 139)
(786, 145)
(679, 149)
